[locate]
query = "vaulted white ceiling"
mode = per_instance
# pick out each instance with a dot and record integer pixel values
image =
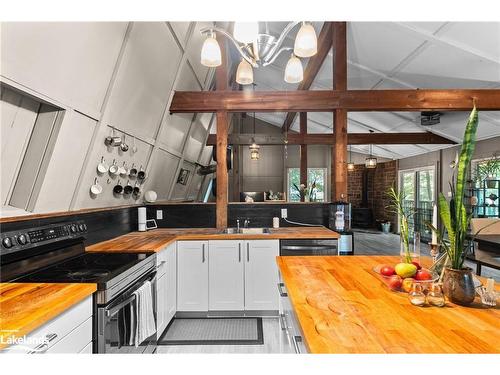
(401, 55)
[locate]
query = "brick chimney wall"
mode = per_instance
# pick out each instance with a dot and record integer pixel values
(380, 180)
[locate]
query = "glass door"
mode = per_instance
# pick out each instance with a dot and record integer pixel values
(418, 187)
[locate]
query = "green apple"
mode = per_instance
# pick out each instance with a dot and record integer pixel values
(405, 270)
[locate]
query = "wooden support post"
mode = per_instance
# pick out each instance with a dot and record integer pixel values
(339, 150)
(222, 177)
(221, 83)
(303, 150)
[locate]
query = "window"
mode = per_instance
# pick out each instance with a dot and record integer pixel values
(314, 175)
(418, 186)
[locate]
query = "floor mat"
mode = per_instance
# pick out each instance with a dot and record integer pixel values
(214, 331)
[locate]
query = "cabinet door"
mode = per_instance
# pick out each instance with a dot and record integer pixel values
(161, 304)
(171, 283)
(226, 280)
(261, 275)
(192, 276)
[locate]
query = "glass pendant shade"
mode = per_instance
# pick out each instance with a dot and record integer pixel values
(293, 71)
(254, 151)
(210, 53)
(306, 42)
(350, 167)
(246, 32)
(244, 74)
(371, 162)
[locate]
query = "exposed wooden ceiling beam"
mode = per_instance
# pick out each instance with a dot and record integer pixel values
(329, 100)
(313, 66)
(329, 139)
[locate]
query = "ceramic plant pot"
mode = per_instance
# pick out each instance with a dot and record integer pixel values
(458, 286)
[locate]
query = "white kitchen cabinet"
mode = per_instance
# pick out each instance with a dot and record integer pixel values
(161, 305)
(226, 275)
(166, 293)
(192, 276)
(171, 282)
(261, 275)
(69, 332)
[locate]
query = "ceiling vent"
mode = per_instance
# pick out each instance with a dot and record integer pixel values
(430, 118)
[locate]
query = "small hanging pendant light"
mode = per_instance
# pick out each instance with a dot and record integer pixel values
(350, 165)
(371, 161)
(254, 148)
(306, 42)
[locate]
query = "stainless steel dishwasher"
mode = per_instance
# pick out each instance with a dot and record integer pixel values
(308, 247)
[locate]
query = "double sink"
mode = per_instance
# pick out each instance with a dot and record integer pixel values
(246, 231)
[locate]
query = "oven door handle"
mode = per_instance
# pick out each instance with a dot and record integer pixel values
(116, 308)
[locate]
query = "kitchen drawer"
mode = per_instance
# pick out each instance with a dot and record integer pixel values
(56, 329)
(162, 259)
(290, 326)
(76, 340)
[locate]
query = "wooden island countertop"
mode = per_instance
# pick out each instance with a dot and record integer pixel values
(343, 307)
(26, 306)
(156, 239)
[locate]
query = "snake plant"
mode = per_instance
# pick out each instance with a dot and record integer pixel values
(453, 214)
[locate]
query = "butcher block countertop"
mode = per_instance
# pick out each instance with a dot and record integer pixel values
(156, 239)
(343, 307)
(26, 306)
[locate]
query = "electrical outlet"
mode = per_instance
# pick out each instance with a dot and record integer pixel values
(159, 214)
(284, 213)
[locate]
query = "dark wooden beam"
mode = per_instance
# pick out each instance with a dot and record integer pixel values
(339, 149)
(329, 139)
(303, 150)
(328, 101)
(221, 199)
(313, 66)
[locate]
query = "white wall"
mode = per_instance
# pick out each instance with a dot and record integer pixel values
(108, 75)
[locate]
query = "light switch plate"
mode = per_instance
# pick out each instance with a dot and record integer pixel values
(284, 213)
(159, 214)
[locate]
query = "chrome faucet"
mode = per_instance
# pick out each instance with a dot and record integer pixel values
(238, 224)
(246, 222)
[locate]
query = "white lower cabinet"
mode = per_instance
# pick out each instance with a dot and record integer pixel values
(192, 276)
(69, 332)
(166, 290)
(171, 282)
(225, 275)
(161, 305)
(261, 275)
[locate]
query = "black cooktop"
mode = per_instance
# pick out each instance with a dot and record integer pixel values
(86, 268)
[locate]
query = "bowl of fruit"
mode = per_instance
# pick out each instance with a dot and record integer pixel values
(402, 276)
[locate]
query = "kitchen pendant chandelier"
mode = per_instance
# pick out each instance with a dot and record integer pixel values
(371, 161)
(254, 147)
(258, 49)
(350, 165)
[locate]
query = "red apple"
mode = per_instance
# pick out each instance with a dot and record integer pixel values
(387, 270)
(395, 282)
(416, 264)
(423, 274)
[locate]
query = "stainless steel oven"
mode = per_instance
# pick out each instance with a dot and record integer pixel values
(111, 334)
(308, 247)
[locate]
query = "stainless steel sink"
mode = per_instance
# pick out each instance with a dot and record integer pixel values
(255, 230)
(246, 231)
(230, 231)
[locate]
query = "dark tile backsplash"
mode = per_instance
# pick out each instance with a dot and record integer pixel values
(107, 224)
